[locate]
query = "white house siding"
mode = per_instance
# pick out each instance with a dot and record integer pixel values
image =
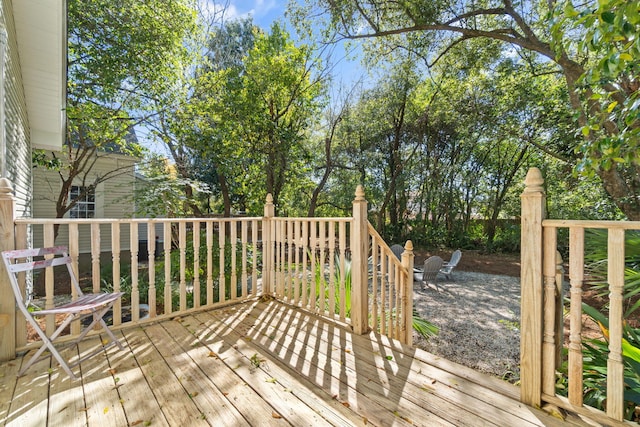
(113, 201)
(18, 147)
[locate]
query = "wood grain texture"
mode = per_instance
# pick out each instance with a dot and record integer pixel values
(261, 364)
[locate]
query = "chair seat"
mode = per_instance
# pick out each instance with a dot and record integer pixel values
(85, 302)
(429, 272)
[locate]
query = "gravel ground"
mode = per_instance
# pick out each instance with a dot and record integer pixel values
(479, 319)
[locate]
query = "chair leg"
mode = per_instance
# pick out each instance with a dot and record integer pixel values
(47, 343)
(98, 318)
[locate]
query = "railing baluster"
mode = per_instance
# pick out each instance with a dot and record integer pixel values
(48, 280)
(313, 243)
(407, 295)
(383, 293)
(168, 304)
(374, 282)
(331, 235)
(151, 250)
(297, 245)
(234, 269)
(322, 286)
(209, 262)
(135, 290)
(305, 262)
(273, 252)
(287, 260)
(254, 257)
(115, 271)
(390, 282)
(281, 256)
(397, 308)
(576, 275)
(222, 287)
(549, 339)
(196, 263)
(342, 230)
(244, 242)
(95, 256)
(559, 317)
(275, 235)
(615, 367)
(182, 246)
(74, 252)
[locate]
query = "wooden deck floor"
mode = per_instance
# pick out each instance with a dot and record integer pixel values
(259, 363)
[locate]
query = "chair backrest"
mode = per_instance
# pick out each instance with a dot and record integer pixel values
(431, 268)
(19, 261)
(397, 250)
(455, 258)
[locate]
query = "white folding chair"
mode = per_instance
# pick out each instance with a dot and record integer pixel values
(96, 305)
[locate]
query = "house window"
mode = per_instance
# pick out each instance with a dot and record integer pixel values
(86, 202)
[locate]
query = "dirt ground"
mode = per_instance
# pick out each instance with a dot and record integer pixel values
(477, 262)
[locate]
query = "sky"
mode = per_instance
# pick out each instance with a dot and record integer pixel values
(347, 71)
(264, 12)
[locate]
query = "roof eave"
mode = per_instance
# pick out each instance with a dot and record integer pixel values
(41, 27)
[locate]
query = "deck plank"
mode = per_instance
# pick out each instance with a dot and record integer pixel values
(174, 401)
(238, 393)
(359, 393)
(336, 362)
(384, 364)
(31, 399)
(284, 403)
(132, 384)
(306, 370)
(8, 380)
(66, 398)
(309, 394)
(103, 407)
(169, 337)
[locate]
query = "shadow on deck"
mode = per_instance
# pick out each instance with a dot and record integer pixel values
(259, 363)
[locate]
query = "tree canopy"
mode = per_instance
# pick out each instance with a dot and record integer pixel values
(123, 57)
(594, 45)
(466, 96)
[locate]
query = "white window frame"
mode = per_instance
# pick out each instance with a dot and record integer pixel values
(85, 207)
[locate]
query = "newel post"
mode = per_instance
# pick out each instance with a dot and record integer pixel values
(531, 285)
(267, 245)
(7, 303)
(359, 255)
(407, 293)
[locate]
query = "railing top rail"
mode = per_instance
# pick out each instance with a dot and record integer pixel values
(566, 223)
(44, 221)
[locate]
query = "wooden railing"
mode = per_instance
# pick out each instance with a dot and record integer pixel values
(312, 264)
(391, 289)
(190, 263)
(187, 264)
(312, 269)
(544, 302)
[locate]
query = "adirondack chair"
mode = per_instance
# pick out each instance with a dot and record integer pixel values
(447, 267)
(85, 305)
(429, 272)
(397, 250)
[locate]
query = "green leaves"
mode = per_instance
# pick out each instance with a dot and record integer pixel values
(255, 107)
